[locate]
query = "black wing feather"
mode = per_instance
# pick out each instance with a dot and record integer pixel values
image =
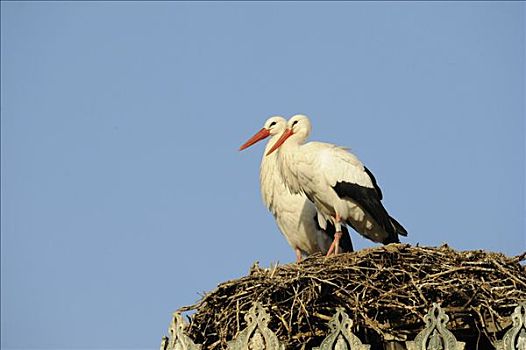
(375, 184)
(369, 200)
(398, 227)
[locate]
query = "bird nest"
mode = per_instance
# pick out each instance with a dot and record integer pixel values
(386, 290)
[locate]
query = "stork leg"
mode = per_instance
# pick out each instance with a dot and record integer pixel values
(335, 245)
(299, 255)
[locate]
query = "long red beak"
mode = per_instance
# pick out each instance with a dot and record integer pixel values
(260, 135)
(286, 134)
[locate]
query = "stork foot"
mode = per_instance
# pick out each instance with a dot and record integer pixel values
(299, 256)
(335, 245)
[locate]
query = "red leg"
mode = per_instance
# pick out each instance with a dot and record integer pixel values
(331, 249)
(299, 256)
(335, 245)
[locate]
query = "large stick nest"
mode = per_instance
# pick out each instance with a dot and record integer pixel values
(386, 290)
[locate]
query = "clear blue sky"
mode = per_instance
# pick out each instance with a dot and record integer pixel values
(124, 195)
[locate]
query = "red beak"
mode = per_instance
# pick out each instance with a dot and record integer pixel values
(286, 134)
(260, 135)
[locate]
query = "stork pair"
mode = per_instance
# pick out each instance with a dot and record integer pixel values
(314, 189)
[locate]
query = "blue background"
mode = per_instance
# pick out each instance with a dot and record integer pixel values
(124, 195)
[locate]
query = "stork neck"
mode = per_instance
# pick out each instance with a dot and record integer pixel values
(290, 146)
(269, 179)
(271, 143)
(286, 158)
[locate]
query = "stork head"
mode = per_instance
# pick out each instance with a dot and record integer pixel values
(273, 126)
(298, 129)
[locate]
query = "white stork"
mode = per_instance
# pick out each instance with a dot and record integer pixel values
(340, 186)
(295, 215)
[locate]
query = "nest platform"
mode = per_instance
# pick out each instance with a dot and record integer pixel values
(386, 290)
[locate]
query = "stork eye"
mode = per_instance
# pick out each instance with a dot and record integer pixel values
(294, 123)
(272, 124)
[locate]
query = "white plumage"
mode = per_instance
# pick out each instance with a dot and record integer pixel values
(342, 189)
(295, 215)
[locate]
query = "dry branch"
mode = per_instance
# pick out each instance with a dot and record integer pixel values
(386, 290)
